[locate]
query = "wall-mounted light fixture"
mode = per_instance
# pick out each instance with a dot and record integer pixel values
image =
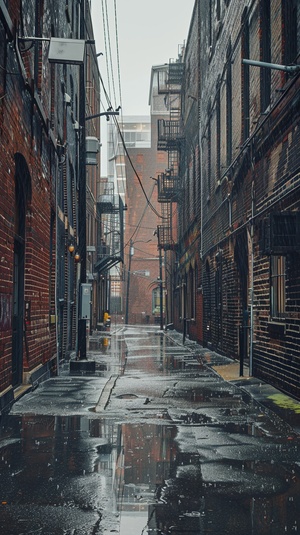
(66, 51)
(61, 50)
(73, 252)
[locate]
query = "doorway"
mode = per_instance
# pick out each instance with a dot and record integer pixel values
(18, 313)
(22, 198)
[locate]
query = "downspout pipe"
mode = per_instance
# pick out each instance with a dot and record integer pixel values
(252, 283)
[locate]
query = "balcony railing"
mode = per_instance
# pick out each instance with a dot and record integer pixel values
(170, 134)
(170, 81)
(165, 240)
(168, 187)
(107, 203)
(110, 250)
(176, 71)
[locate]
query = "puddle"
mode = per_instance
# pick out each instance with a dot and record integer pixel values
(204, 461)
(64, 473)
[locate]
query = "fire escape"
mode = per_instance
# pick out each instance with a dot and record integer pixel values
(110, 231)
(170, 139)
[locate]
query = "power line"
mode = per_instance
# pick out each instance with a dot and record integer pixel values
(137, 175)
(129, 159)
(118, 56)
(110, 54)
(105, 45)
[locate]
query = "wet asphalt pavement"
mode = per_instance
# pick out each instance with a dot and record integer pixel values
(155, 442)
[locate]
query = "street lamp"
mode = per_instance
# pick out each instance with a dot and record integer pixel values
(106, 114)
(292, 69)
(160, 290)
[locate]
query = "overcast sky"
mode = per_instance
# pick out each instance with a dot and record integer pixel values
(149, 33)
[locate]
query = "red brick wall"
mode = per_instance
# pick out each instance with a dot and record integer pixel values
(259, 177)
(140, 224)
(26, 147)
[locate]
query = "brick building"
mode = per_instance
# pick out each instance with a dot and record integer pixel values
(237, 281)
(141, 257)
(42, 119)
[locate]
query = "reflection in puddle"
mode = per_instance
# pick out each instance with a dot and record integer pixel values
(145, 478)
(219, 469)
(160, 489)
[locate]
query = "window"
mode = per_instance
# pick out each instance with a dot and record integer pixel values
(218, 297)
(209, 111)
(194, 292)
(218, 10)
(2, 60)
(265, 54)
(245, 77)
(194, 200)
(218, 133)
(228, 107)
(289, 24)
(207, 302)
(191, 295)
(277, 289)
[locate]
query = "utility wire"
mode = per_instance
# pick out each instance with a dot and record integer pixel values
(105, 46)
(137, 175)
(110, 54)
(118, 56)
(110, 105)
(129, 159)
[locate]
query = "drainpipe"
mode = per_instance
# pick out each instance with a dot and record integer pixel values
(252, 283)
(200, 144)
(56, 271)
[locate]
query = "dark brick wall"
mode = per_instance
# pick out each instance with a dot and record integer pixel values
(38, 148)
(189, 278)
(24, 151)
(242, 181)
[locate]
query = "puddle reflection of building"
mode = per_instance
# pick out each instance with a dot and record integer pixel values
(145, 455)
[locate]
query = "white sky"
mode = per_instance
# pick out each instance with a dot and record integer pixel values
(149, 33)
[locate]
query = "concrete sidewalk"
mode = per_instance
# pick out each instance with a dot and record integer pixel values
(267, 396)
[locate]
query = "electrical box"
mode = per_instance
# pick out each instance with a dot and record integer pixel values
(85, 301)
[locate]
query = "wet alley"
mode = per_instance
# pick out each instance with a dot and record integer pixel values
(155, 442)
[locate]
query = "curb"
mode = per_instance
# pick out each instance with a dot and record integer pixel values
(106, 393)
